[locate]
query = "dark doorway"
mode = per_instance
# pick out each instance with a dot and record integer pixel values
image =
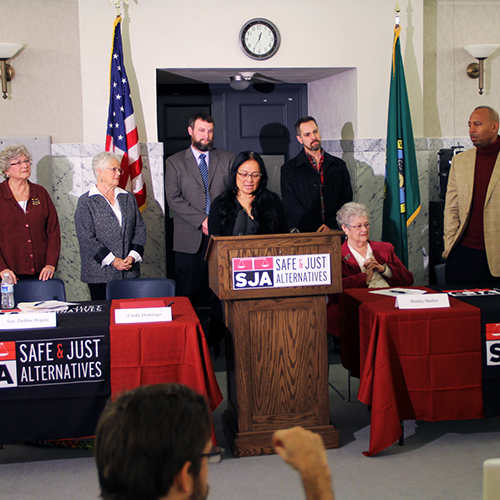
(175, 104)
(260, 118)
(263, 121)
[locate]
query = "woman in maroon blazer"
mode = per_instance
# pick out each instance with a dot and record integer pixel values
(365, 263)
(30, 238)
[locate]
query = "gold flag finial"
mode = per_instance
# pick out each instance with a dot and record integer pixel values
(397, 11)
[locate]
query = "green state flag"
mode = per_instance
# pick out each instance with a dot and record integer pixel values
(401, 190)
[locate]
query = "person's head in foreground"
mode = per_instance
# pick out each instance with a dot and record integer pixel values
(154, 442)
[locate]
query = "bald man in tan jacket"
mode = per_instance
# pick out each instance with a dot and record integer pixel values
(472, 210)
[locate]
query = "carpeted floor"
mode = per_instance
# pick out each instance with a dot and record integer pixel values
(440, 460)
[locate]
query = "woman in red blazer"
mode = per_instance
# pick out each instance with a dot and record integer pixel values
(30, 238)
(365, 263)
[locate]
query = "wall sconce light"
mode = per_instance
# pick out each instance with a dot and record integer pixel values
(480, 52)
(7, 51)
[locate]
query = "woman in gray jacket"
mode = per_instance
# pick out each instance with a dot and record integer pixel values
(110, 229)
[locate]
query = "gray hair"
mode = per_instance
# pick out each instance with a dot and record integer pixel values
(101, 159)
(349, 212)
(11, 153)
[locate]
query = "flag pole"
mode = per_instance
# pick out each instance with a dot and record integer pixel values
(401, 188)
(121, 131)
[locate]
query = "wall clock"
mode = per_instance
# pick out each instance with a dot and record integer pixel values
(259, 39)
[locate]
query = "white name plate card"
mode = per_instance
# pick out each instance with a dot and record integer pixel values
(28, 321)
(428, 301)
(143, 315)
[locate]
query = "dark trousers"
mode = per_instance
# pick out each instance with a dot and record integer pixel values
(192, 281)
(467, 266)
(192, 272)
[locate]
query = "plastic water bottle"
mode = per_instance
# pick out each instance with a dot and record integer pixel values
(7, 292)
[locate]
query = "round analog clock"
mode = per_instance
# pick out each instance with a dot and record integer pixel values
(259, 39)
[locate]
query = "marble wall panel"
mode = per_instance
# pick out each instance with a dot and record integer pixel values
(68, 174)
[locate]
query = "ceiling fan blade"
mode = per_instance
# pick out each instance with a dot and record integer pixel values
(259, 77)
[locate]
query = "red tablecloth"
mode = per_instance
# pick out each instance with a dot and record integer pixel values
(414, 364)
(152, 353)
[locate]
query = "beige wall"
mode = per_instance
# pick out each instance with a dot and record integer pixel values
(62, 91)
(326, 33)
(449, 94)
(46, 93)
(61, 87)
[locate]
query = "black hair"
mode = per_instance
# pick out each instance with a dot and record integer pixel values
(302, 120)
(204, 117)
(269, 215)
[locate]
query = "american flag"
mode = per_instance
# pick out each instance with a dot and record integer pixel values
(121, 135)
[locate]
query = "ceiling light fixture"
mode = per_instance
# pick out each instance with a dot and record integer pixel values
(241, 81)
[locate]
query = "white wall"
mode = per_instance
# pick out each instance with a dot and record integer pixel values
(449, 94)
(333, 101)
(326, 33)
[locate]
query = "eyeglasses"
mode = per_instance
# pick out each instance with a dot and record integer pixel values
(114, 170)
(254, 175)
(214, 456)
(366, 225)
(18, 163)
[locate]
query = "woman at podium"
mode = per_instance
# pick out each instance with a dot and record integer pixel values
(247, 206)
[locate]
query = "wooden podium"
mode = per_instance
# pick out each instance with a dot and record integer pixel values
(276, 346)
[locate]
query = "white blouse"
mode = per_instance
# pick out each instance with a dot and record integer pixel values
(377, 280)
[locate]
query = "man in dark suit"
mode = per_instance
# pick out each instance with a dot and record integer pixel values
(194, 178)
(314, 184)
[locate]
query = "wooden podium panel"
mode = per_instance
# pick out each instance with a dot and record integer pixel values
(276, 345)
(277, 371)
